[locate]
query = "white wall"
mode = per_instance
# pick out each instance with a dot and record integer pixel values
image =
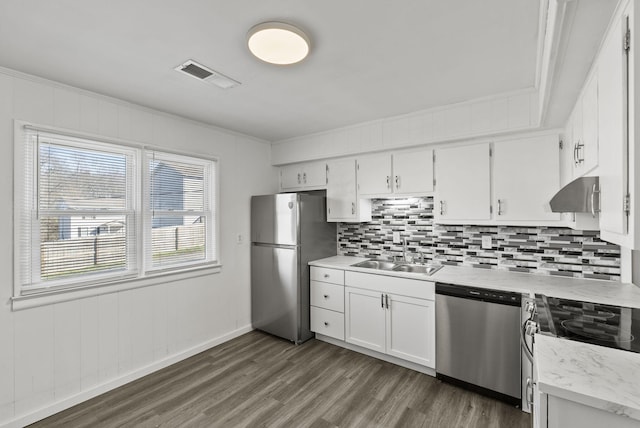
(65, 352)
(495, 115)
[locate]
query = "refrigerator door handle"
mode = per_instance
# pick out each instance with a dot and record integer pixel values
(262, 244)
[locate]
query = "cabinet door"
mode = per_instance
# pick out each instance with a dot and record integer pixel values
(314, 175)
(290, 177)
(413, 172)
(374, 175)
(411, 329)
(365, 318)
(341, 190)
(463, 183)
(563, 413)
(526, 175)
(612, 76)
(588, 156)
(577, 146)
(539, 409)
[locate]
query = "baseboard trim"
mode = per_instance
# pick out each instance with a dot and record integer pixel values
(68, 402)
(388, 358)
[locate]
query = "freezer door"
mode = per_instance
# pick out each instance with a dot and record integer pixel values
(274, 219)
(275, 290)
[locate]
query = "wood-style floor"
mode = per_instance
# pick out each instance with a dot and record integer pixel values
(257, 380)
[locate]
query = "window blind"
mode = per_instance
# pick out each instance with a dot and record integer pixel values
(79, 201)
(180, 224)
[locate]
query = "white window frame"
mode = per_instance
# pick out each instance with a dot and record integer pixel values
(25, 296)
(209, 210)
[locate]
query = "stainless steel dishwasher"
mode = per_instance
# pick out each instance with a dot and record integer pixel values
(478, 340)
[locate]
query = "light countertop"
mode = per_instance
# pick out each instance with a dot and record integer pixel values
(590, 290)
(604, 378)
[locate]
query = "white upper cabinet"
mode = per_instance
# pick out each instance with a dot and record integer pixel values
(306, 176)
(375, 175)
(526, 175)
(413, 172)
(612, 75)
(581, 139)
(463, 183)
(343, 203)
(588, 155)
(407, 173)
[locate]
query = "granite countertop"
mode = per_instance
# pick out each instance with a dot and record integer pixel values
(590, 290)
(603, 378)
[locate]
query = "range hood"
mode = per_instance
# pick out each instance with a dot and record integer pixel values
(582, 195)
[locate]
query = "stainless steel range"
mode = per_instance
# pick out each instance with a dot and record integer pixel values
(605, 325)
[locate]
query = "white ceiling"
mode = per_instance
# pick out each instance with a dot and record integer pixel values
(370, 58)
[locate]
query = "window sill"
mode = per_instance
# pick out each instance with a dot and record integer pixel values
(58, 296)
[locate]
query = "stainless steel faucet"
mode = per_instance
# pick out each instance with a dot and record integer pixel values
(405, 256)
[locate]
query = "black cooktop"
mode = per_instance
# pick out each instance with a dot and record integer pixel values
(611, 326)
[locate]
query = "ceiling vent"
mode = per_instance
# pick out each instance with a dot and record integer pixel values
(205, 74)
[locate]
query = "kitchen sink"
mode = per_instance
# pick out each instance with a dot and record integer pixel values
(398, 267)
(376, 264)
(428, 270)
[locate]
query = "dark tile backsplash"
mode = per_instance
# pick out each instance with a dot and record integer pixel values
(541, 250)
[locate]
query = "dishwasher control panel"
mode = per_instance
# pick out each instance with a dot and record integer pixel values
(486, 295)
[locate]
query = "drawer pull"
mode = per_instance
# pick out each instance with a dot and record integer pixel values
(326, 324)
(326, 275)
(326, 296)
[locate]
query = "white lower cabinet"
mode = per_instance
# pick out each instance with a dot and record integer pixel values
(391, 323)
(327, 302)
(390, 315)
(365, 318)
(556, 412)
(410, 333)
(327, 322)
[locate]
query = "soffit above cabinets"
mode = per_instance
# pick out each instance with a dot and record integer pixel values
(369, 59)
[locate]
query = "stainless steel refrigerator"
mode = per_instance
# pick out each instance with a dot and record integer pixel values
(287, 231)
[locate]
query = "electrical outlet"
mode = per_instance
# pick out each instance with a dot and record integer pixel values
(486, 242)
(396, 237)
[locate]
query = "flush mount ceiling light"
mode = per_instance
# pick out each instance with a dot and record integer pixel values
(278, 43)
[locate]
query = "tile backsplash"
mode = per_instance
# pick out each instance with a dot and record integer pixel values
(541, 250)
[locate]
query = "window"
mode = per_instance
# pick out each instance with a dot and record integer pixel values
(94, 212)
(178, 211)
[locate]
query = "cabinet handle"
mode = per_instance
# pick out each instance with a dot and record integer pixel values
(397, 181)
(382, 301)
(353, 208)
(441, 207)
(326, 275)
(304, 177)
(499, 207)
(388, 182)
(529, 391)
(299, 178)
(593, 200)
(386, 298)
(326, 296)
(579, 147)
(575, 153)
(326, 324)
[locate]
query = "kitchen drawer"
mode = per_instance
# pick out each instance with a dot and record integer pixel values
(327, 296)
(329, 323)
(334, 276)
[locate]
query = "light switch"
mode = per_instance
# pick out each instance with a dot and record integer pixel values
(486, 242)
